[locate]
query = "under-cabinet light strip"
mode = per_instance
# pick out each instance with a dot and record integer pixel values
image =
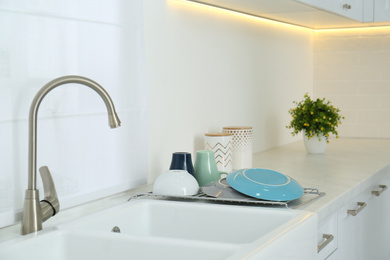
(226, 10)
(376, 27)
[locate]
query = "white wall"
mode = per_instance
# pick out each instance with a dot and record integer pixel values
(208, 69)
(205, 69)
(42, 40)
(351, 68)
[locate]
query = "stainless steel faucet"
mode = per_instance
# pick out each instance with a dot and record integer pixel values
(35, 212)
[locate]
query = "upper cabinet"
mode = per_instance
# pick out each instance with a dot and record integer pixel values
(353, 9)
(314, 14)
(382, 10)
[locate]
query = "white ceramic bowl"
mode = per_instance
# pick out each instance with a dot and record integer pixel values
(175, 183)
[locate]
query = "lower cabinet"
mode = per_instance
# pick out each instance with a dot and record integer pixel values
(363, 226)
(376, 228)
(351, 230)
(327, 237)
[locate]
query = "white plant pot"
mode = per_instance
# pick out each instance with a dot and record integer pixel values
(313, 145)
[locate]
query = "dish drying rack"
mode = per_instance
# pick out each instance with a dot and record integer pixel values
(308, 196)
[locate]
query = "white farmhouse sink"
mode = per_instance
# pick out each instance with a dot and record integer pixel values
(65, 245)
(159, 229)
(186, 220)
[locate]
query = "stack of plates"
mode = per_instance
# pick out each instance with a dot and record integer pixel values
(258, 183)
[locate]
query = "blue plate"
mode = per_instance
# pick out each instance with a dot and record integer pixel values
(265, 184)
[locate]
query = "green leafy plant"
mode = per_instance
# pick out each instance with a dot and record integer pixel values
(316, 117)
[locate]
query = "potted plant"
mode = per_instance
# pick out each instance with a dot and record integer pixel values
(317, 119)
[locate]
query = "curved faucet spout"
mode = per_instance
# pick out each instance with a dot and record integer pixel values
(113, 119)
(32, 212)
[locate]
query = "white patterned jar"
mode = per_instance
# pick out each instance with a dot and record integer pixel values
(221, 145)
(242, 145)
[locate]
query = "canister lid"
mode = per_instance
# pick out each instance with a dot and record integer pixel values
(236, 127)
(217, 134)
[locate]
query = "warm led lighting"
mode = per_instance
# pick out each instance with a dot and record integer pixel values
(230, 11)
(224, 10)
(367, 28)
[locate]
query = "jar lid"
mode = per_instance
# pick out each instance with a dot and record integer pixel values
(217, 134)
(236, 127)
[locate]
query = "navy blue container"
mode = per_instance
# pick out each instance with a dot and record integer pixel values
(182, 161)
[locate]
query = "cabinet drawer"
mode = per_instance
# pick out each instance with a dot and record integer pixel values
(327, 237)
(363, 225)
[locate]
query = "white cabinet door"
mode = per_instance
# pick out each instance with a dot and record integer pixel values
(368, 11)
(376, 226)
(381, 10)
(333, 256)
(349, 8)
(327, 237)
(323, 4)
(364, 232)
(328, 5)
(351, 219)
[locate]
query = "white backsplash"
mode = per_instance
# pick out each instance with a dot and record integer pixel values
(209, 69)
(205, 70)
(351, 68)
(42, 40)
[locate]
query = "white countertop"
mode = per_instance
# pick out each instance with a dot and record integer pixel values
(348, 167)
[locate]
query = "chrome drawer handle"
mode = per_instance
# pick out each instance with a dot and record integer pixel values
(378, 192)
(328, 238)
(354, 212)
(347, 6)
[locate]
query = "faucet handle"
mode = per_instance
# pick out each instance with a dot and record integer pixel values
(50, 204)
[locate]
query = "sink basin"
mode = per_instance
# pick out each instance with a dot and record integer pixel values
(191, 221)
(161, 229)
(65, 245)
